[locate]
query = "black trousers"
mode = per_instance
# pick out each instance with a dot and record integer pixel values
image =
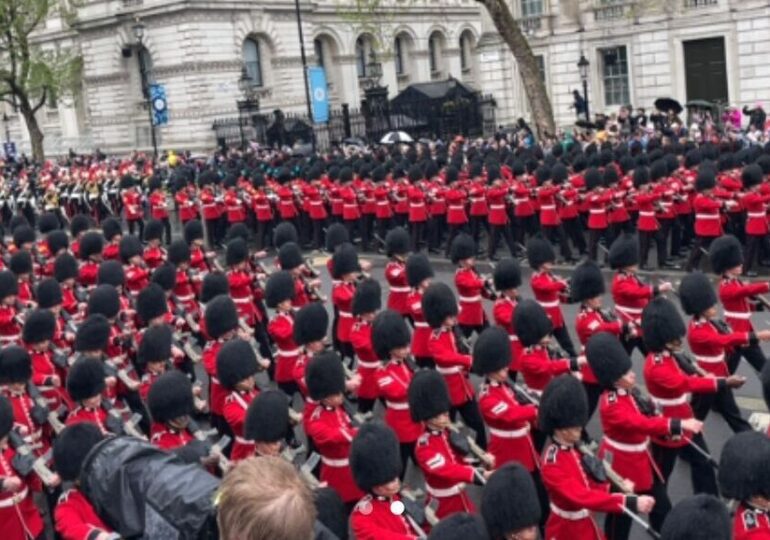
(318, 240)
(701, 243)
(454, 230)
(133, 224)
(594, 235)
(436, 228)
(593, 393)
(723, 402)
(417, 229)
(575, 232)
(618, 526)
(366, 405)
(407, 453)
(562, 336)
(633, 343)
(704, 479)
(557, 234)
(425, 362)
(753, 248)
(753, 355)
(468, 330)
(495, 231)
(526, 225)
(469, 411)
(166, 229)
(478, 223)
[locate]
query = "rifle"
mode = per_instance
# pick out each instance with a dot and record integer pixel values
(113, 369)
(486, 459)
(41, 413)
(306, 470)
(217, 449)
(118, 425)
(25, 460)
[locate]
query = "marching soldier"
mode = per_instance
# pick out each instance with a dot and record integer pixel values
(171, 404)
(154, 254)
(65, 270)
(86, 381)
(279, 295)
(10, 327)
(381, 514)
(236, 369)
(397, 248)
(137, 273)
(153, 356)
(267, 422)
(310, 326)
(91, 245)
(419, 274)
(470, 286)
(367, 301)
(507, 280)
(345, 269)
(221, 320)
(113, 234)
(38, 331)
(708, 216)
(574, 488)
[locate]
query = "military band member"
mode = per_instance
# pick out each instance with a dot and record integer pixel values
(507, 280)
(236, 370)
(171, 404)
(419, 274)
(91, 246)
(221, 320)
(279, 295)
(397, 248)
(113, 233)
(345, 269)
(470, 286)
(367, 301)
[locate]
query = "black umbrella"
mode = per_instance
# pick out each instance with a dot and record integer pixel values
(668, 104)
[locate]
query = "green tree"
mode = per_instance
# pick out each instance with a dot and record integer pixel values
(30, 74)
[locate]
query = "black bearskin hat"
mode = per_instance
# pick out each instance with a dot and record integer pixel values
(539, 251)
(608, 358)
(155, 345)
(48, 293)
(151, 303)
(389, 331)
(153, 230)
(507, 275)
(93, 334)
(325, 376)
(492, 351)
(463, 247)
(587, 282)
(336, 235)
(165, 276)
(418, 269)
(345, 261)
(21, 263)
(374, 456)
(438, 303)
(751, 176)
(267, 419)
(699, 517)
(238, 230)
(178, 252)
(367, 298)
(221, 316)
(130, 246)
(743, 466)
(193, 230)
(6, 416)
(236, 251)
(9, 285)
(72, 446)
(39, 326)
(48, 222)
(661, 324)
(696, 293)
(85, 379)
(624, 251)
(91, 243)
(105, 300)
(80, 223)
(706, 180)
(563, 405)
(23, 234)
(460, 526)
(290, 256)
(65, 267)
(15, 365)
(111, 228)
(510, 501)
(310, 323)
(428, 395)
(397, 242)
(214, 284)
(236, 361)
(284, 232)
(531, 322)
(111, 273)
(725, 253)
(57, 240)
(279, 288)
(170, 397)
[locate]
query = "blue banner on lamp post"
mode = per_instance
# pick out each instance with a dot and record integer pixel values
(319, 93)
(159, 105)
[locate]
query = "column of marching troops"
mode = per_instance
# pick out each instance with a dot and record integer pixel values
(101, 332)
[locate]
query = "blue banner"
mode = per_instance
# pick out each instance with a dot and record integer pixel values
(158, 103)
(9, 149)
(319, 94)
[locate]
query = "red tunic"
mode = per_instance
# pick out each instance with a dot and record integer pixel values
(342, 298)
(372, 519)
(209, 204)
(76, 519)
(158, 208)
(393, 383)
(422, 331)
(186, 205)
(538, 368)
(216, 392)
(19, 517)
(137, 278)
(708, 220)
(281, 329)
(368, 362)
(503, 315)
(132, 204)
(455, 200)
(735, 300)
(548, 289)
(89, 272)
(417, 210)
(498, 214)
(154, 256)
(395, 274)
(454, 366)
(445, 473)
(751, 523)
(85, 414)
(598, 202)
(111, 252)
(630, 296)
(469, 288)
(647, 221)
(588, 323)
(234, 411)
(509, 423)
(756, 213)
(709, 345)
(350, 210)
(167, 438)
(331, 432)
(546, 196)
(242, 293)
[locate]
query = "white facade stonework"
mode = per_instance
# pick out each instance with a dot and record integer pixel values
(654, 34)
(196, 51)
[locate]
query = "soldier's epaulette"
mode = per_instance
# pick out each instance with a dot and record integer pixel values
(612, 397)
(64, 496)
(551, 453)
(749, 520)
(423, 440)
(657, 359)
(364, 506)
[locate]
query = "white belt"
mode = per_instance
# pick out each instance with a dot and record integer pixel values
(646, 214)
(641, 447)
(448, 492)
(597, 210)
(552, 304)
(572, 516)
(548, 207)
(421, 324)
(290, 352)
(397, 406)
(416, 205)
(10, 338)
(629, 310)
(334, 462)
(241, 440)
(497, 207)
(316, 203)
(353, 205)
(383, 203)
(756, 214)
(400, 289)
(15, 499)
(710, 359)
(449, 370)
(469, 299)
(708, 216)
(477, 199)
(368, 365)
(513, 337)
(215, 380)
(241, 300)
(681, 400)
(346, 314)
(509, 434)
(743, 315)
(519, 201)
(456, 207)
(186, 297)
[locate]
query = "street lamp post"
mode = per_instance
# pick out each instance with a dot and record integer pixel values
(298, 15)
(138, 30)
(583, 68)
(6, 121)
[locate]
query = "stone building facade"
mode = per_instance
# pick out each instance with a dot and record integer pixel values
(639, 50)
(198, 48)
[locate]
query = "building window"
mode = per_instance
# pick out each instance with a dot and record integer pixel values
(465, 51)
(615, 76)
(318, 46)
(399, 55)
(531, 8)
(361, 57)
(540, 61)
(252, 59)
(434, 52)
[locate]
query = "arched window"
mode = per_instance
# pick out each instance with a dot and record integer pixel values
(361, 57)
(252, 59)
(466, 50)
(435, 52)
(318, 47)
(398, 49)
